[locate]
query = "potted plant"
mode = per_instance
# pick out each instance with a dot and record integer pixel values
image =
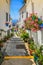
(36, 55)
(40, 59)
(1, 43)
(30, 41)
(32, 48)
(1, 58)
(12, 34)
(33, 22)
(25, 36)
(41, 49)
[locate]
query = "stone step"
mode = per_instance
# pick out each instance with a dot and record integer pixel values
(15, 42)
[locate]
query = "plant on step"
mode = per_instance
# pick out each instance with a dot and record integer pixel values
(41, 49)
(1, 58)
(40, 59)
(30, 41)
(5, 39)
(1, 43)
(25, 36)
(12, 30)
(12, 34)
(8, 36)
(32, 48)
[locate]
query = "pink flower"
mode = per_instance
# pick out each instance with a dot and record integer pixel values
(33, 29)
(32, 22)
(25, 20)
(36, 20)
(31, 14)
(36, 25)
(41, 28)
(30, 19)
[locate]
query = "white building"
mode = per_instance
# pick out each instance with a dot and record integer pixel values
(33, 6)
(4, 14)
(36, 6)
(22, 12)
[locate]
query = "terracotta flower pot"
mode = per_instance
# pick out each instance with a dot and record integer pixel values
(31, 51)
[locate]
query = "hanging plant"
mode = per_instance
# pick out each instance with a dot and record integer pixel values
(33, 22)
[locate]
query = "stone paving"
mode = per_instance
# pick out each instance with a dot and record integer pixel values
(10, 47)
(18, 62)
(11, 50)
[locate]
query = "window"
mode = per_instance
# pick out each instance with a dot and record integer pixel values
(22, 14)
(6, 16)
(32, 7)
(9, 17)
(26, 14)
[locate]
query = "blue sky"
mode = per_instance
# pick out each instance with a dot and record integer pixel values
(15, 5)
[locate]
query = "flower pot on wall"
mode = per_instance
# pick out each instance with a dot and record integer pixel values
(31, 51)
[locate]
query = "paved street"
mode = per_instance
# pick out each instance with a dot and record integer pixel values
(18, 62)
(15, 47)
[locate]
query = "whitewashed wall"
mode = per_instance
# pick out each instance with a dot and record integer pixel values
(37, 37)
(38, 7)
(4, 8)
(29, 7)
(21, 21)
(42, 37)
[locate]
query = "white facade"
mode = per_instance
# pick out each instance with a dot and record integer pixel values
(4, 8)
(22, 16)
(37, 6)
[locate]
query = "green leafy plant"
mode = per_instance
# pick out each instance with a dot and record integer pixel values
(25, 36)
(32, 46)
(1, 43)
(40, 59)
(12, 34)
(30, 41)
(33, 22)
(1, 58)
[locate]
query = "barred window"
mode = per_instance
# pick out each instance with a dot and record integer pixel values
(6, 16)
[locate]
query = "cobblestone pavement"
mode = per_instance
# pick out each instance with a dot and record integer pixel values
(18, 62)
